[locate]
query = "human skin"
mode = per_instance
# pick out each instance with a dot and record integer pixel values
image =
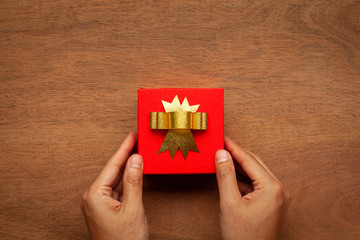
(113, 207)
(247, 211)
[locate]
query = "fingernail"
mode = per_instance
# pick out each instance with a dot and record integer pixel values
(221, 156)
(136, 161)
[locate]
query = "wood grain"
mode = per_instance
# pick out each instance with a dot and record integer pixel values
(69, 74)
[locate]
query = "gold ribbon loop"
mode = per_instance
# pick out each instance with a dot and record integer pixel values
(178, 120)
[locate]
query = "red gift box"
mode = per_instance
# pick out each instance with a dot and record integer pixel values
(208, 141)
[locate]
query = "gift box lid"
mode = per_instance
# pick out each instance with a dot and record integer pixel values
(204, 102)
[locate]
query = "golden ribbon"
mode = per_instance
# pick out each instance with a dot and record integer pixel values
(179, 120)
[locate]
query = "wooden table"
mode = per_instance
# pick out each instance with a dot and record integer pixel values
(69, 74)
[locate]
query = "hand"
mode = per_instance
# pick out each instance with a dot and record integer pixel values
(249, 211)
(113, 206)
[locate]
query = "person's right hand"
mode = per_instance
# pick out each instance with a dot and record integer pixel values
(249, 211)
(113, 206)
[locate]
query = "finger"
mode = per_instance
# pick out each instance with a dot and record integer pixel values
(118, 189)
(262, 164)
(239, 169)
(249, 164)
(226, 177)
(110, 176)
(132, 182)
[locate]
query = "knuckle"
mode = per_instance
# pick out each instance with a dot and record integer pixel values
(84, 200)
(280, 198)
(278, 193)
(134, 180)
(288, 197)
(278, 189)
(85, 196)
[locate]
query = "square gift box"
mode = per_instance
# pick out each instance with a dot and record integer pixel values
(180, 129)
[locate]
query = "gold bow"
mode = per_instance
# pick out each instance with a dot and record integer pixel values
(179, 120)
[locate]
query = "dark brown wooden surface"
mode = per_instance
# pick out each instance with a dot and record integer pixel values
(69, 74)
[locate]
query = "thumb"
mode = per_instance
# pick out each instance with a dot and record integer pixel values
(132, 182)
(226, 178)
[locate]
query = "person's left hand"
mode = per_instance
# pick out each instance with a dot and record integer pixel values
(113, 206)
